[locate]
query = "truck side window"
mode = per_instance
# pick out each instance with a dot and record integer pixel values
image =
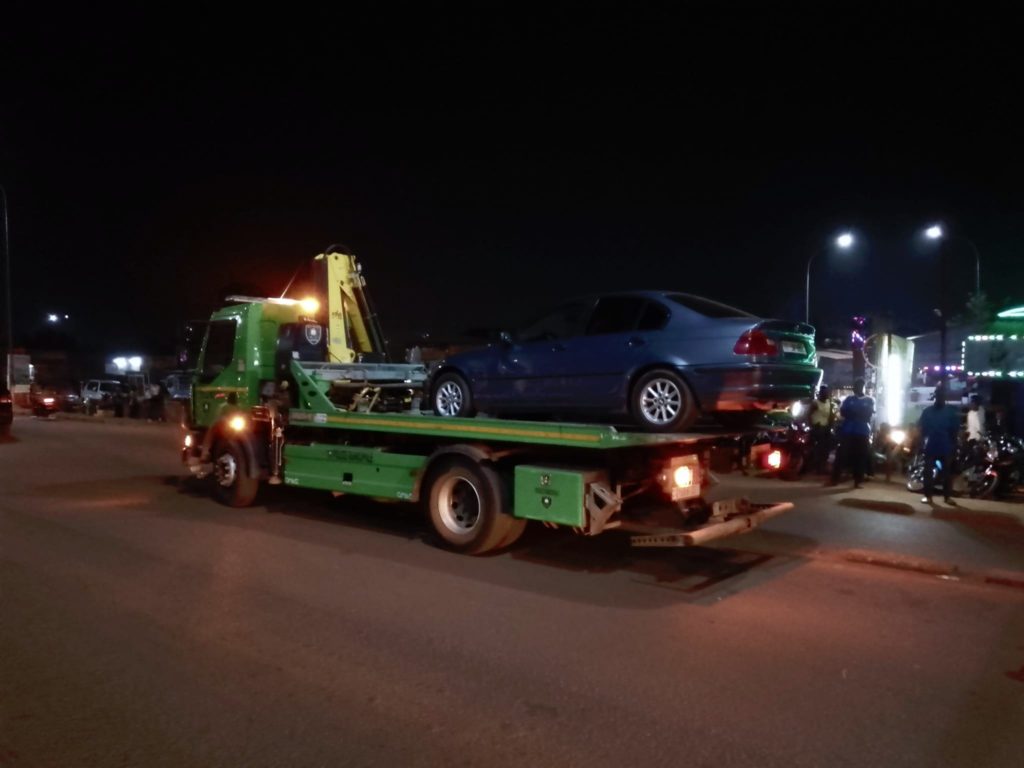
(220, 348)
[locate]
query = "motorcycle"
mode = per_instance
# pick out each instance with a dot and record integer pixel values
(785, 452)
(974, 471)
(1007, 457)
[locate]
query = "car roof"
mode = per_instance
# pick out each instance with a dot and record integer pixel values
(659, 296)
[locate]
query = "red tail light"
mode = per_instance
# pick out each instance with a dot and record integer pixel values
(755, 342)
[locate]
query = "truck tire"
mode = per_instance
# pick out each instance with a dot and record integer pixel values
(660, 401)
(451, 396)
(231, 481)
(467, 508)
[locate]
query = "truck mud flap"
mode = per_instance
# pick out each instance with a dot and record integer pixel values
(729, 517)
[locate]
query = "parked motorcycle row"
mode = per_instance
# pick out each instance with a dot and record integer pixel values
(797, 450)
(988, 468)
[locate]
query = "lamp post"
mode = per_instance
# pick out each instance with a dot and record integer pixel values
(844, 242)
(7, 285)
(936, 232)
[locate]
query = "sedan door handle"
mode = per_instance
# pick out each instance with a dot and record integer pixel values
(636, 341)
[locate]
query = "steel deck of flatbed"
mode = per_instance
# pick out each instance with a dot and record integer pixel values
(595, 436)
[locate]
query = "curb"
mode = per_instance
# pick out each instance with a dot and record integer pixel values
(1012, 579)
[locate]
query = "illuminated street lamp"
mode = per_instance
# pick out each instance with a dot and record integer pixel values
(936, 232)
(844, 241)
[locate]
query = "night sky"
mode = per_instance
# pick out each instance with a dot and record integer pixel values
(482, 166)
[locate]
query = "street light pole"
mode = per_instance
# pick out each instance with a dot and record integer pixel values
(936, 232)
(7, 286)
(843, 241)
(807, 291)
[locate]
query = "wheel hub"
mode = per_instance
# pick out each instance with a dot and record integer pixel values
(449, 399)
(660, 401)
(225, 470)
(459, 505)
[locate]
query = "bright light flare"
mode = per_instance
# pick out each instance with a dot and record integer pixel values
(310, 305)
(845, 240)
(796, 409)
(683, 477)
(934, 232)
(775, 459)
(237, 423)
(52, 318)
(897, 436)
(188, 441)
(48, 401)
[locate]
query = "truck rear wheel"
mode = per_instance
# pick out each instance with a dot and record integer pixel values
(467, 506)
(232, 483)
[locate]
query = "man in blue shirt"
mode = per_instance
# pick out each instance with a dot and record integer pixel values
(854, 435)
(939, 425)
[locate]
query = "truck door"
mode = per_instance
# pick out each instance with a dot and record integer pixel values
(216, 378)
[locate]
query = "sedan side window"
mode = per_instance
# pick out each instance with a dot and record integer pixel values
(615, 314)
(563, 323)
(653, 318)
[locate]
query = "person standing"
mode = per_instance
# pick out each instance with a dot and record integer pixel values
(854, 435)
(822, 418)
(939, 425)
(976, 419)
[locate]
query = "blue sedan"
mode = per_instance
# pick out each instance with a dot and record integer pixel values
(657, 359)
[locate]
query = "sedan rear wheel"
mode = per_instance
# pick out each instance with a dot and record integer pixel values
(661, 402)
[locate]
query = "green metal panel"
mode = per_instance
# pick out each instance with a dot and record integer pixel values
(553, 495)
(362, 471)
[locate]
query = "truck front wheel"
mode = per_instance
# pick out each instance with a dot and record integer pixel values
(232, 483)
(467, 506)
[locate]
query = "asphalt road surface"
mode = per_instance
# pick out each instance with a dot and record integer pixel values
(142, 624)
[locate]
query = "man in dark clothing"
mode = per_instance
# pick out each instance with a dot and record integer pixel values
(854, 435)
(940, 425)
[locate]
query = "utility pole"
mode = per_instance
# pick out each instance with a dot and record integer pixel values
(942, 311)
(7, 287)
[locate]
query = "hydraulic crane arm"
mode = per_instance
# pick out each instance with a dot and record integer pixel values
(354, 332)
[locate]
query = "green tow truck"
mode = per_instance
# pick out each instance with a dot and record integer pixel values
(281, 397)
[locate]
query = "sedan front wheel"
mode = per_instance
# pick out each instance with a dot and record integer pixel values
(451, 396)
